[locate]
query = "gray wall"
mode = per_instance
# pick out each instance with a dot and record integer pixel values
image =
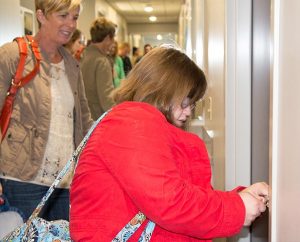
(260, 105)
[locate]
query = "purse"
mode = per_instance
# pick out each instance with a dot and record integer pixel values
(40, 230)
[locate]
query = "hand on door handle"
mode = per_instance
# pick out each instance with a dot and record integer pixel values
(260, 190)
(256, 200)
(209, 109)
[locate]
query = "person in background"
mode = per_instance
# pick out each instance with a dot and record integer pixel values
(118, 68)
(124, 51)
(50, 114)
(141, 154)
(135, 55)
(96, 67)
(147, 48)
(75, 45)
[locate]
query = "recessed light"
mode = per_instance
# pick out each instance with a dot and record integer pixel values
(159, 37)
(148, 9)
(152, 18)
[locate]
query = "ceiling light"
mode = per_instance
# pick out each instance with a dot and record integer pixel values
(148, 9)
(152, 18)
(159, 37)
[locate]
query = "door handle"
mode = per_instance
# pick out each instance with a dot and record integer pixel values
(209, 108)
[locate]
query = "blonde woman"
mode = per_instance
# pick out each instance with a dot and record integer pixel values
(50, 115)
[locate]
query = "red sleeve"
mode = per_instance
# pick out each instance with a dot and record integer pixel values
(239, 189)
(139, 155)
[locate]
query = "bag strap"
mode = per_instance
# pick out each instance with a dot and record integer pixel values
(18, 81)
(129, 229)
(63, 172)
(133, 225)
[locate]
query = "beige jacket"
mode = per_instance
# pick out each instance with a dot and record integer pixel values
(23, 148)
(98, 80)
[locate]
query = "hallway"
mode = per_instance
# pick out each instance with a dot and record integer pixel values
(249, 51)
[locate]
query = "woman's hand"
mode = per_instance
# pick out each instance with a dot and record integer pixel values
(255, 199)
(260, 190)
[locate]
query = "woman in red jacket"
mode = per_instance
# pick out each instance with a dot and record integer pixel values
(139, 158)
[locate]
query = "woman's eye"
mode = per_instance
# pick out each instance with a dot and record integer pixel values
(63, 15)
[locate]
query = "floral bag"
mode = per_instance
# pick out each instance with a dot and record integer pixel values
(37, 229)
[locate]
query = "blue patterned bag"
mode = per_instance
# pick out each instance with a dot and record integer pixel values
(39, 230)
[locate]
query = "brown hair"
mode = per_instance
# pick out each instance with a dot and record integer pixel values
(146, 48)
(100, 28)
(163, 78)
(51, 6)
(75, 36)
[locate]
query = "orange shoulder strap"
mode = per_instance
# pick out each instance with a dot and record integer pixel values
(18, 81)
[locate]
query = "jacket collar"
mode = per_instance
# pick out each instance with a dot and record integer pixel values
(70, 65)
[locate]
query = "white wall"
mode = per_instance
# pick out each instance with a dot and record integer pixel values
(223, 50)
(215, 96)
(152, 28)
(10, 19)
(238, 98)
(87, 16)
(238, 93)
(103, 7)
(285, 160)
(93, 9)
(141, 34)
(202, 35)
(28, 4)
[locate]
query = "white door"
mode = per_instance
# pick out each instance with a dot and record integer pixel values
(285, 128)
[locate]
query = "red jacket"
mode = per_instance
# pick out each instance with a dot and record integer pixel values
(136, 161)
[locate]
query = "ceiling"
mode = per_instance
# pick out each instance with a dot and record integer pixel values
(166, 11)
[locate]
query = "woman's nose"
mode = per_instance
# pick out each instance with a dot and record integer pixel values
(188, 110)
(72, 22)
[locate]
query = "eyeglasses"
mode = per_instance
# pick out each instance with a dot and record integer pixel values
(186, 103)
(192, 106)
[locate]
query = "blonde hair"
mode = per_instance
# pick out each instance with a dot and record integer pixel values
(51, 6)
(124, 45)
(163, 78)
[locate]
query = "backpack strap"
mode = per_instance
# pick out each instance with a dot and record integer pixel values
(18, 81)
(36, 52)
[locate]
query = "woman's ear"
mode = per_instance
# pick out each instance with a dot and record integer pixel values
(40, 16)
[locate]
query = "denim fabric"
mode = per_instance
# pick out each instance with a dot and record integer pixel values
(26, 196)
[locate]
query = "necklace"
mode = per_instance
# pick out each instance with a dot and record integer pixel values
(56, 70)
